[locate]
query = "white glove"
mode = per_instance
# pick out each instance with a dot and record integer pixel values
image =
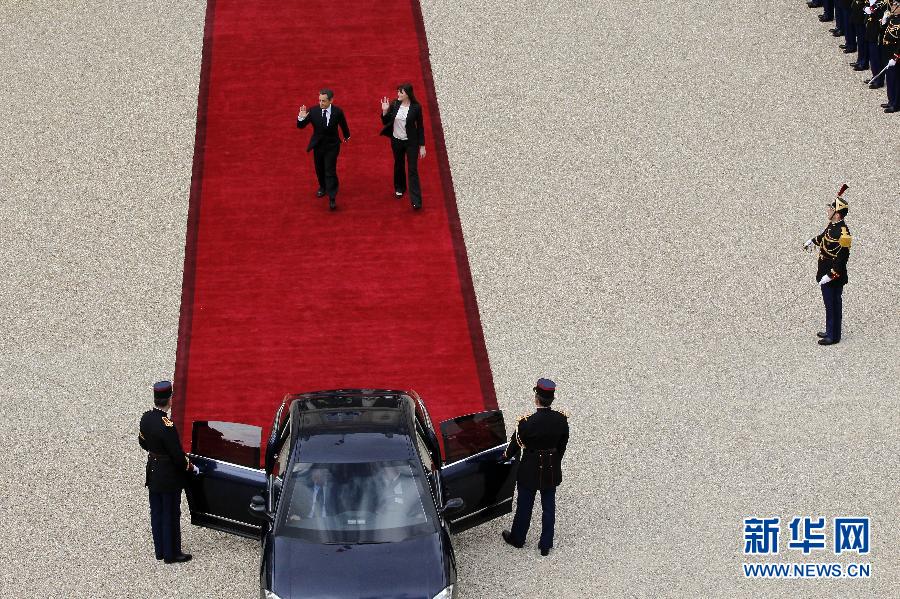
(892, 62)
(884, 19)
(868, 10)
(825, 279)
(808, 243)
(196, 470)
(872, 2)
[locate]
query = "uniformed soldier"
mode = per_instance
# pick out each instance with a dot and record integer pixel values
(167, 471)
(541, 440)
(831, 274)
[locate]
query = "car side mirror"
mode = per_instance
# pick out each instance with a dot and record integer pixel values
(453, 505)
(258, 508)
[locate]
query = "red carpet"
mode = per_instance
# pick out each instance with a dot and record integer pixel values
(280, 295)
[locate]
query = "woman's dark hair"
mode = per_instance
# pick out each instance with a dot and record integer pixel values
(407, 87)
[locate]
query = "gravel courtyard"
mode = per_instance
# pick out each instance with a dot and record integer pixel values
(634, 208)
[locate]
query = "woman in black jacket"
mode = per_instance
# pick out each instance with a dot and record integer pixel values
(402, 120)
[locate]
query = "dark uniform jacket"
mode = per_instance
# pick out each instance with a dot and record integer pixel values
(541, 439)
(323, 134)
(890, 38)
(857, 14)
(415, 128)
(167, 466)
(834, 251)
(873, 21)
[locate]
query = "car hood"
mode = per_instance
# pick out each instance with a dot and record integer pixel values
(409, 569)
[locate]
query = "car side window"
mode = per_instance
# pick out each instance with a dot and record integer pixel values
(285, 451)
(422, 415)
(422, 448)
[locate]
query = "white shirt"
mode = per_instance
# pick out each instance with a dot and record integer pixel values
(400, 122)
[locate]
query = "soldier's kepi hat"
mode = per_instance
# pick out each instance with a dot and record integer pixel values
(545, 388)
(162, 390)
(839, 202)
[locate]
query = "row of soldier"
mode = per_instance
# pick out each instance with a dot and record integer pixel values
(871, 30)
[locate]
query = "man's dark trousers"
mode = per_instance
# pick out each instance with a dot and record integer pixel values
(404, 151)
(522, 519)
(828, 14)
(849, 34)
(862, 47)
(165, 520)
(875, 62)
(831, 295)
(840, 19)
(325, 156)
(891, 83)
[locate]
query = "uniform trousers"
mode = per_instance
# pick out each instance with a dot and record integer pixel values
(325, 156)
(892, 83)
(829, 10)
(831, 295)
(849, 30)
(165, 520)
(876, 62)
(862, 47)
(522, 519)
(840, 20)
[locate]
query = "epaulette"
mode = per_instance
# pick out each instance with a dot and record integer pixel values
(141, 435)
(167, 422)
(563, 412)
(522, 417)
(846, 240)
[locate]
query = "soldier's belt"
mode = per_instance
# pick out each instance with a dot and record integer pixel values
(159, 456)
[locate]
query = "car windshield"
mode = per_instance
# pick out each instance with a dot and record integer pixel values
(372, 502)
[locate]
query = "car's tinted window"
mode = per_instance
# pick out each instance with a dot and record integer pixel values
(423, 450)
(371, 502)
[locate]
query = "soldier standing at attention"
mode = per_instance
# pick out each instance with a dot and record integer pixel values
(541, 439)
(167, 471)
(831, 274)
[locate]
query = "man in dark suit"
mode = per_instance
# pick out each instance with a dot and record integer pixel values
(541, 439)
(325, 142)
(167, 471)
(831, 272)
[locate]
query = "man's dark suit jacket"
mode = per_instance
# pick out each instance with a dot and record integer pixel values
(415, 129)
(321, 133)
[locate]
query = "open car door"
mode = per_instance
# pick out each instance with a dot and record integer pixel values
(227, 454)
(475, 470)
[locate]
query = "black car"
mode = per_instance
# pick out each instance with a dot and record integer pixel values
(356, 498)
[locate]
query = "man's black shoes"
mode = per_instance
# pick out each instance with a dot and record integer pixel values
(332, 205)
(821, 334)
(545, 552)
(825, 19)
(507, 538)
(827, 341)
(398, 193)
(320, 193)
(181, 557)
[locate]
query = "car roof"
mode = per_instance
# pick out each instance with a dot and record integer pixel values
(350, 425)
(345, 398)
